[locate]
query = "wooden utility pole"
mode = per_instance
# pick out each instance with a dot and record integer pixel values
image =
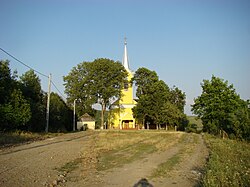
(48, 101)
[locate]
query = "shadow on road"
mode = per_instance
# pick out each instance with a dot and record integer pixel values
(143, 183)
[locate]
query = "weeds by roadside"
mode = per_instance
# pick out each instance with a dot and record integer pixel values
(17, 137)
(229, 163)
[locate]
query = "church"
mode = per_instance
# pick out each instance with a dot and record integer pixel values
(121, 115)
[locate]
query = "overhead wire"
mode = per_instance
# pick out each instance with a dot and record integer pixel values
(58, 91)
(23, 63)
(12, 56)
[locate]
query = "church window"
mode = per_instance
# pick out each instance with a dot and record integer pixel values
(126, 86)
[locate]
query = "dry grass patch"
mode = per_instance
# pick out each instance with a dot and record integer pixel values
(116, 148)
(188, 142)
(17, 137)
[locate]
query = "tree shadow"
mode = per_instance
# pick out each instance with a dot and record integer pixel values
(143, 183)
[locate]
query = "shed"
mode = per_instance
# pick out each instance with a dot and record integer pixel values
(86, 121)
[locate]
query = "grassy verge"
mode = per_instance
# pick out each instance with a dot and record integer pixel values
(12, 138)
(229, 163)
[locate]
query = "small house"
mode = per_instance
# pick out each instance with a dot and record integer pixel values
(86, 122)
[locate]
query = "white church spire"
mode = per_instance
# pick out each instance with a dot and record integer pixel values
(125, 62)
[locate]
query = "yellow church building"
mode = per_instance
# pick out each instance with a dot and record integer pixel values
(121, 115)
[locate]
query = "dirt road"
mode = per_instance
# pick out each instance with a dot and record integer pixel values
(35, 164)
(52, 163)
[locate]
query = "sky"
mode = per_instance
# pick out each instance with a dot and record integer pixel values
(184, 41)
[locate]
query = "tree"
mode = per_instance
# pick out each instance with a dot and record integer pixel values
(240, 121)
(178, 98)
(32, 91)
(60, 114)
(220, 107)
(7, 81)
(158, 95)
(96, 82)
(143, 79)
(31, 86)
(16, 113)
(14, 108)
(156, 102)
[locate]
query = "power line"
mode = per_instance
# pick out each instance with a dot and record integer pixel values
(33, 70)
(23, 63)
(58, 90)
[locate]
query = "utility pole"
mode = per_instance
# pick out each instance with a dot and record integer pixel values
(74, 117)
(48, 101)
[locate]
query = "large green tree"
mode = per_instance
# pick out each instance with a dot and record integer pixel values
(14, 108)
(157, 103)
(220, 108)
(144, 79)
(32, 91)
(95, 82)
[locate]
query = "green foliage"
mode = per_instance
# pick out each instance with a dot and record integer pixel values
(22, 103)
(143, 79)
(14, 108)
(157, 103)
(60, 114)
(220, 108)
(178, 98)
(228, 164)
(20, 109)
(194, 124)
(31, 88)
(95, 82)
(6, 82)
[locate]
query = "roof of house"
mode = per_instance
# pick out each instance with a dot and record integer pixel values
(87, 117)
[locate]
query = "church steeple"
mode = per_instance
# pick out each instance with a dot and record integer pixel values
(125, 62)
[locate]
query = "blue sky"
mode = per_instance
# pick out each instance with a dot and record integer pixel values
(183, 41)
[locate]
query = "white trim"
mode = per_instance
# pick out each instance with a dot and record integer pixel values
(127, 105)
(123, 106)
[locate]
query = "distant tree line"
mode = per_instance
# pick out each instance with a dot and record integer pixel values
(23, 103)
(222, 110)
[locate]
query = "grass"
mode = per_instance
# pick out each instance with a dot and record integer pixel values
(118, 157)
(17, 137)
(229, 163)
(70, 166)
(164, 168)
(116, 148)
